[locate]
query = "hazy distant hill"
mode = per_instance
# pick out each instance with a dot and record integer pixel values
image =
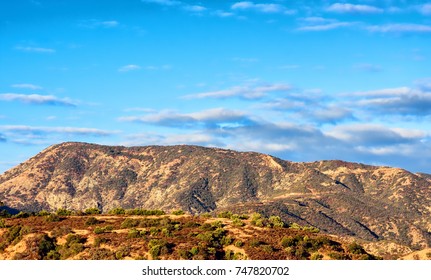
(346, 199)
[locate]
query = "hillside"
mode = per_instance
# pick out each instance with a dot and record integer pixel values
(167, 237)
(370, 203)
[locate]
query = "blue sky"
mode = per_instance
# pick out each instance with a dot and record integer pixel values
(301, 80)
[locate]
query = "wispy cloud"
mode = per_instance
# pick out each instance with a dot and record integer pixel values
(163, 2)
(195, 8)
(23, 129)
(129, 67)
(37, 99)
(263, 8)
(352, 8)
(35, 49)
(245, 92)
(94, 23)
(425, 9)
(208, 118)
(400, 28)
(27, 86)
(325, 27)
(368, 67)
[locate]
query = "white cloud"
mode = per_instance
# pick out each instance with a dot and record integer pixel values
(384, 92)
(263, 8)
(163, 2)
(209, 117)
(37, 99)
(325, 27)
(195, 8)
(130, 67)
(351, 8)
(35, 49)
(24, 129)
(26, 86)
(246, 92)
(223, 14)
(400, 28)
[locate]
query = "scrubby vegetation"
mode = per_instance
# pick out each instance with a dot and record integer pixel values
(118, 235)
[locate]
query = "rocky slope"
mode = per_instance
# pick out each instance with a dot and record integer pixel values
(346, 199)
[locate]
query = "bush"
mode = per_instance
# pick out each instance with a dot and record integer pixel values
(100, 230)
(21, 215)
(63, 212)
(129, 223)
(100, 240)
(134, 233)
(92, 211)
(239, 243)
(74, 245)
(225, 214)
(117, 211)
(122, 252)
(355, 248)
(237, 222)
(158, 247)
(316, 256)
(144, 212)
(52, 218)
(43, 213)
(2, 223)
(178, 212)
(275, 222)
(91, 221)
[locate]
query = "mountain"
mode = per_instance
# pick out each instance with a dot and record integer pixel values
(366, 202)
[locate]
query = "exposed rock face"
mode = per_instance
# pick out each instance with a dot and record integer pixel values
(342, 198)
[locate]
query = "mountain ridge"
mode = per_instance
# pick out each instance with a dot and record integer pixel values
(372, 203)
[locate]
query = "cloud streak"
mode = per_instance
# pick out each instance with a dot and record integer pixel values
(400, 28)
(27, 86)
(351, 8)
(35, 49)
(129, 67)
(267, 8)
(37, 99)
(244, 92)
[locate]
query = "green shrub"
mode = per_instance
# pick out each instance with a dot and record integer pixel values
(99, 240)
(52, 218)
(144, 212)
(100, 254)
(100, 230)
(134, 233)
(74, 245)
(206, 215)
(15, 233)
(92, 211)
(63, 212)
(21, 215)
(43, 213)
(316, 256)
(239, 243)
(225, 214)
(178, 212)
(194, 251)
(230, 255)
(130, 223)
(275, 222)
(117, 211)
(91, 221)
(122, 252)
(237, 222)
(2, 223)
(355, 248)
(158, 247)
